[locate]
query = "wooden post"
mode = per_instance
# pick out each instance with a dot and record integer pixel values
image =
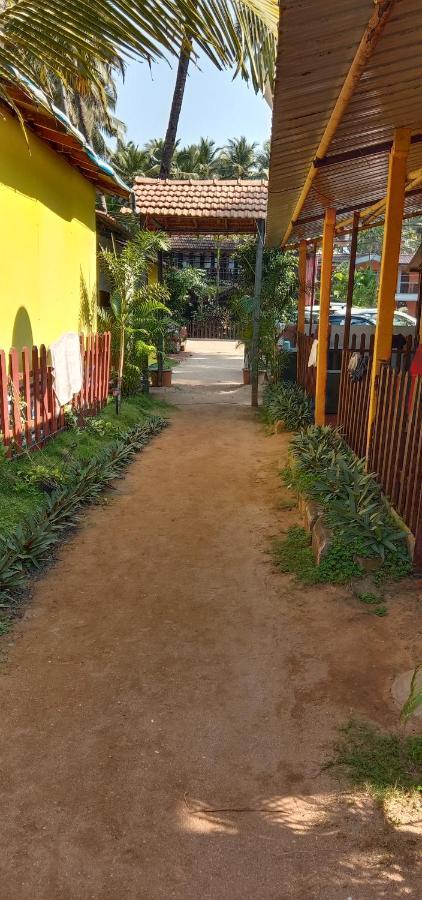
(314, 268)
(351, 281)
(324, 313)
(260, 226)
(396, 184)
(302, 288)
(418, 330)
(160, 340)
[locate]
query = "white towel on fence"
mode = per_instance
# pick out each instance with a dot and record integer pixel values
(312, 361)
(67, 367)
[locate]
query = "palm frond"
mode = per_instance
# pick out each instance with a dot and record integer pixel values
(70, 36)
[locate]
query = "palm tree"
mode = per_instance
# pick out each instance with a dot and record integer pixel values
(130, 160)
(208, 158)
(257, 62)
(185, 163)
(126, 272)
(69, 37)
(263, 160)
(238, 159)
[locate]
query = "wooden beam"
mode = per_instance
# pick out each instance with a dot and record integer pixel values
(368, 42)
(324, 313)
(396, 187)
(360, 152)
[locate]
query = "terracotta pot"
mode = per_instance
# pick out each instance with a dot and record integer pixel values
(246, 376)
(167, 373)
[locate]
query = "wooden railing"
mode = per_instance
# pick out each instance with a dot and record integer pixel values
(29, 414)
(306, 376)
(353, 405)
(213, 330)
(396, 444)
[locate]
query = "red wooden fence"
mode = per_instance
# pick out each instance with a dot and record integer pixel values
(29, 413)
(213, 330)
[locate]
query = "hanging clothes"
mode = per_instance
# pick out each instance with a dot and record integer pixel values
(360, 371)
(353, 361)
(312, 361)
(66, 362)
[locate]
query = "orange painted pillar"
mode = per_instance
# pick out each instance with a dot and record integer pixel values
(397, 169)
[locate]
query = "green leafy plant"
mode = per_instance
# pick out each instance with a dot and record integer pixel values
(380, 762)
(287, 402)
(132, 307)
(414, 700)
(30, 545)
(327, 471)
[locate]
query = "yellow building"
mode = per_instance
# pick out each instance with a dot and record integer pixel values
(48, 182)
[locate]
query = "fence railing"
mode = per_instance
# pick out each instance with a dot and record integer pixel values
(213, 330)
(306, 376)
(353, 405)
(396, 444)
(29, 413)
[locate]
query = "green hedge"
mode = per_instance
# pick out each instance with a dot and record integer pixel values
(31, 544)
(288, 403)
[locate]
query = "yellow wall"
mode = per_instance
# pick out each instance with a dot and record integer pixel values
(47, 239)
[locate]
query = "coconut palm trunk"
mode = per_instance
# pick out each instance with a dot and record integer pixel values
(176, 106)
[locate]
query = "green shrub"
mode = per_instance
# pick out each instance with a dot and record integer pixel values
(378, 761)
(327, 471)
(131, 383)
(30, 545)
(287, 402)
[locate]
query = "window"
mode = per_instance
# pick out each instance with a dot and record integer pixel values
(409, 283)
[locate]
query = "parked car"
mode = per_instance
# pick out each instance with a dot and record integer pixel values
(363, 322)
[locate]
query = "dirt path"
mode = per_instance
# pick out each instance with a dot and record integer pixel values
(168, 699)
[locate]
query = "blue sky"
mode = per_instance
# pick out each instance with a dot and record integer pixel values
(214, 106)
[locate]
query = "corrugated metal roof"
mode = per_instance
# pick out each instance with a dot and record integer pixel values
(53, 127)
(318, 41)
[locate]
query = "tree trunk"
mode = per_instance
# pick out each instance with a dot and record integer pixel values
(256, 313)
(145, 374)
(120, 371)
(81, 124)
(176, 106)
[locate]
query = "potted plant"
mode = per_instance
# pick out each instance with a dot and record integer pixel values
(163, 374)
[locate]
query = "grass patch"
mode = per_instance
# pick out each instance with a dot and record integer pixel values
(381, 762)
(25, 480)
(293, 554)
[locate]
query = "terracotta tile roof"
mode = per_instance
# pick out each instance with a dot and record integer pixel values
(196, 202)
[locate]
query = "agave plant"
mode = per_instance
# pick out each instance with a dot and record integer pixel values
(31, 545)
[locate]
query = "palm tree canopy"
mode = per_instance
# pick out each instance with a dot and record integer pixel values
(238, 159)
(69, 37)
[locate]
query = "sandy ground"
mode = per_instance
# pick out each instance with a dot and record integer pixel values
(168, 699)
